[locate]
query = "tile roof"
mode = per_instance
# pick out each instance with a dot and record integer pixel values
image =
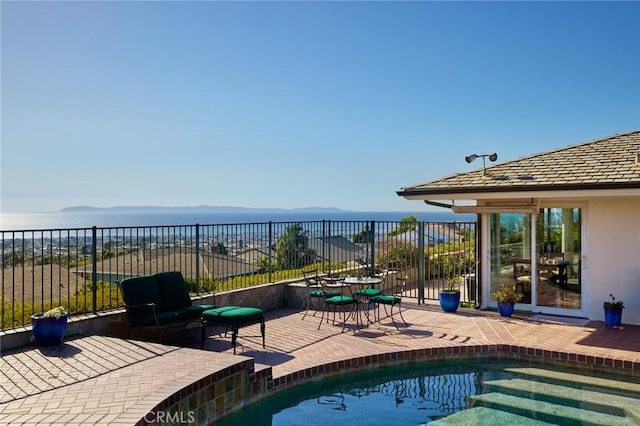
(608, 163)
(337, 247)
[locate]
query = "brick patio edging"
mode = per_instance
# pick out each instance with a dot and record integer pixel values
(229, 390)
(582, 362)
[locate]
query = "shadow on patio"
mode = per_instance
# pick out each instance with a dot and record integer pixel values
(97, 379)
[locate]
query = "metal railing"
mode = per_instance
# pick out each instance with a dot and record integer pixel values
(79, 267)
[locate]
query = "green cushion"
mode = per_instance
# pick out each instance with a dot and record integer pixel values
(369, 292)
(140, 290)
(173, 290)
(386, 300)
(325, 293)
(232, 314)
(197, 310)
(340, 300)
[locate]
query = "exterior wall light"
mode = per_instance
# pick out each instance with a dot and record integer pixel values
(492, 157)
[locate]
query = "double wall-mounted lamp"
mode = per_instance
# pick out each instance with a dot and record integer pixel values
(492, 157)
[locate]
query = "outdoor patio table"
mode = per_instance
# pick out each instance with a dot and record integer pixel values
(332, 280)
(362, 283)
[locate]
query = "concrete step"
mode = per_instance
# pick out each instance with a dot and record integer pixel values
(547, 412)
(486, 417)
(611, 385)
(569, 396)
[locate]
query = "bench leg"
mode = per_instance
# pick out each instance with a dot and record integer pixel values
(203, 335)
(234, 328)
(234, 336)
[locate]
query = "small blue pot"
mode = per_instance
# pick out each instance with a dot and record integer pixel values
(49, 331)
(506, 309)
(612, 317)
(449, 301)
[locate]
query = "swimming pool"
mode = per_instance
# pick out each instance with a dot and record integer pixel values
(488, 392)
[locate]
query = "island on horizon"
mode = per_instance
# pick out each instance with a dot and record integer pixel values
(199, 209)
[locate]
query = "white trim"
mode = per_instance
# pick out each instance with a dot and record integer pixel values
(529, 209)
(534, 263)
(486, 255)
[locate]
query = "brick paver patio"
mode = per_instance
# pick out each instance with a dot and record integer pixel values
(105, 380)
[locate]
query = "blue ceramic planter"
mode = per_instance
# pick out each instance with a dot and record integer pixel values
(506, 309)
(449, 301)
(49, 331)
(612, 317)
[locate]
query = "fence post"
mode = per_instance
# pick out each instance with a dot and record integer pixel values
(322, 240)
(197, 258)
(421, 271)
(94, 269)
(270, 251)
(372, 242)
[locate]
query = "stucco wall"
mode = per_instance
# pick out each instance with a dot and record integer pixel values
(612, 256)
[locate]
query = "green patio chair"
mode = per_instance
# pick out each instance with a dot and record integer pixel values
(344, 300)
(315, 293)
(372, 291)
(392, 299)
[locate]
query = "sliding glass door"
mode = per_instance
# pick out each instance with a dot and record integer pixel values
(558, 253)
(540, 255)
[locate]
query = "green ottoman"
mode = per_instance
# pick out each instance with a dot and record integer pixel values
(232, 317)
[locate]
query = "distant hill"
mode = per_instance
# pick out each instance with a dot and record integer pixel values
(202, 208)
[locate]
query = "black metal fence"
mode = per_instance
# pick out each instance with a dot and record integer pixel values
(78, 267)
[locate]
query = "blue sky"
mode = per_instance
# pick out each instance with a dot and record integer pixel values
(297, 104)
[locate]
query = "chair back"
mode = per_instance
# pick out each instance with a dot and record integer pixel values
(383, 274)
(399, 284)
(335, 286)
(311, 278)
(372, 272)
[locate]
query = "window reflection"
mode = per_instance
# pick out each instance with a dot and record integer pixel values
(558, 233)
(511, 252)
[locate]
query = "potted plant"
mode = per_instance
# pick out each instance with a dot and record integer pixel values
(506, 296)
(449, 296)
(50, 327)
(613, 312)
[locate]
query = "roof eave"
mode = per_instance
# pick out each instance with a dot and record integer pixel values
(539, 191)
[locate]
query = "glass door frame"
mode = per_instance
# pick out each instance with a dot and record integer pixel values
(533, 306)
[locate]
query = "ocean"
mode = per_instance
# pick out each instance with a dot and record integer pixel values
(66, 220)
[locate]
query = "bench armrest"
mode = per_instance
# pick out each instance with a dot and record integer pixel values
(151, 305)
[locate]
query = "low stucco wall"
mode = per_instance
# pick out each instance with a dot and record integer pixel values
(264, 296)
(114, 323)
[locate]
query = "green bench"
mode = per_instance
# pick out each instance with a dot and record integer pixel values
(159, 300)
(163, 299)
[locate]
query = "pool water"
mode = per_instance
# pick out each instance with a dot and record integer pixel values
(480, 392)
